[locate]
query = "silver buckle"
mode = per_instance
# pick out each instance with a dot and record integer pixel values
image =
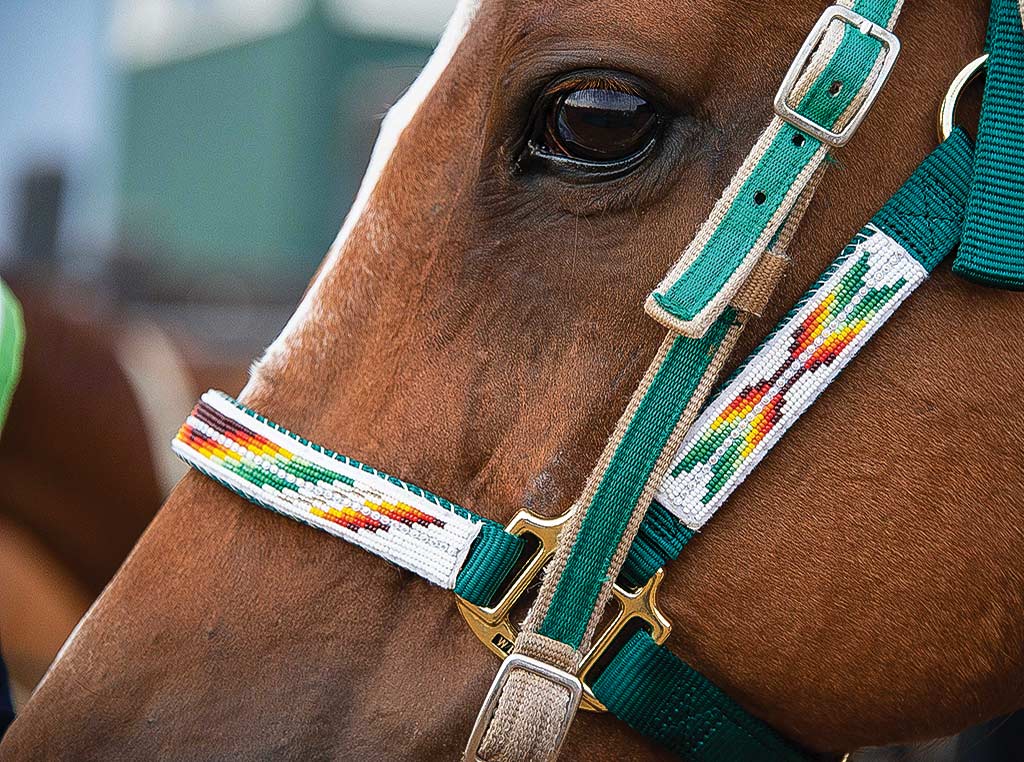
(785, 111)
(517, 661)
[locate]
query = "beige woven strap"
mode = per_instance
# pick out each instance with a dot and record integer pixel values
(533, 714)
(754, 294)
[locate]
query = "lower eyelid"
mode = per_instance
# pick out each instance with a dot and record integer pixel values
(599, 170)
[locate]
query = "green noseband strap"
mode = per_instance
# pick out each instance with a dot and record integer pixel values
(661, 697)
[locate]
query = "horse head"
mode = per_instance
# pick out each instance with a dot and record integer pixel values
(477, 328)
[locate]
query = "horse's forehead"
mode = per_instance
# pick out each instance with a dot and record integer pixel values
(650, 18)
(682, 46)
(670, 41)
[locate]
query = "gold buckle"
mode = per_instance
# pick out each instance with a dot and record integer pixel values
(492, 625)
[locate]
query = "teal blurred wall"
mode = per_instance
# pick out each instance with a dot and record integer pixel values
(245, 158)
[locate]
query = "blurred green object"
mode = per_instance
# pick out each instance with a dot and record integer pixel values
(244, 158)
(12, 339)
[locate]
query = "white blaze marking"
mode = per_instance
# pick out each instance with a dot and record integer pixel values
(391, 129)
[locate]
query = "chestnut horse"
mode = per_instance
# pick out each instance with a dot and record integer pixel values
(478, 328)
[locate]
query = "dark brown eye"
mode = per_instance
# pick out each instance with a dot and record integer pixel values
(600, 124)
(593, 125)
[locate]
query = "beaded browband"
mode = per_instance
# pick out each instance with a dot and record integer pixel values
(641, 682)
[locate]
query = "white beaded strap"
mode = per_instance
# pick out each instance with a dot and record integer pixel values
(787, 373)
(279, 470)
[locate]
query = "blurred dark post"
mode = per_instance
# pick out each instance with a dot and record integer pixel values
(40, 205)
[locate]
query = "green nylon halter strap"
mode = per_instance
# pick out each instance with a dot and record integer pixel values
(746, 218)
(12, 338)
(845, 66)
(646, 685)
(661, 697)
(992, 252)
(610, 508)
(496, 553)
(612, 505)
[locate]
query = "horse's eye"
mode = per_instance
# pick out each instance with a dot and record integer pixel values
(596, 125)
(600, 124)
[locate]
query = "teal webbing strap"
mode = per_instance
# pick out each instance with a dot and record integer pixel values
(622, 483)
(743, 228)
(490, 561)
(992, 251)
(660, 696)
(12, 338)
(608, 512)
(661, 539)
(926, 216)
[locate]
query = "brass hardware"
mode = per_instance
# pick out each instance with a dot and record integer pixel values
(493, 627)
(947, 108)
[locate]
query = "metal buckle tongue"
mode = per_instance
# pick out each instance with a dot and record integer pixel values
(891, 45)
(518, 662)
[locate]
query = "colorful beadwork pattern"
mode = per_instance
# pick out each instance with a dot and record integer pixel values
(787, 373)
(279, 470)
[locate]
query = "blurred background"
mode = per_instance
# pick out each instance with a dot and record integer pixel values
(156, 155)
(171, 174)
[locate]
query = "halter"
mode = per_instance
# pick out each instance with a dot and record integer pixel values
(679, 449)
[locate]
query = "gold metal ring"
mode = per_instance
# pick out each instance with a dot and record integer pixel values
(947, 108)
